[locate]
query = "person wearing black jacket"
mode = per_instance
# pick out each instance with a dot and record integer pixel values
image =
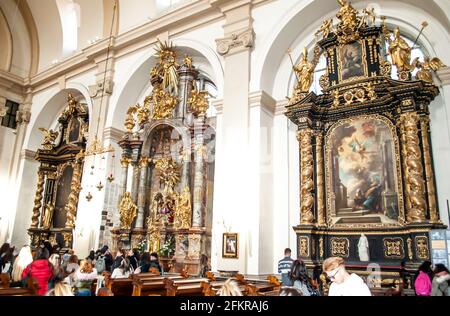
(118, 260)
(133, 256)
(109, 261)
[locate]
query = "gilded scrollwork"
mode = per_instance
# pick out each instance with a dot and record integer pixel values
(304, 246)
(340, 247)
(307, 176)
(412, 156)
(394, 248)
(422, 250)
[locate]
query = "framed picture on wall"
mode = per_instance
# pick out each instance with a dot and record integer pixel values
(230, 245)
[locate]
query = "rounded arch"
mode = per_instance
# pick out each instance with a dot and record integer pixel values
(307, 16)
(6, 40)
(53, 105)
(137, 79)
(176, 125)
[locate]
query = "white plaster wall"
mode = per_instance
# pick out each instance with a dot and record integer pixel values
(22, 217)
(7, 140)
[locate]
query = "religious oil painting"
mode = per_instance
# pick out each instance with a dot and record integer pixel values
(363, 188)
(352, 61)
(230, 245)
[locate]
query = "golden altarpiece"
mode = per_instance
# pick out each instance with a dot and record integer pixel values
(59, 177)
(167, 205)
(367, 189)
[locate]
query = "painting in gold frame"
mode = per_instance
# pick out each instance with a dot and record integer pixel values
(352, 61)
(230, 245)
(363, 173)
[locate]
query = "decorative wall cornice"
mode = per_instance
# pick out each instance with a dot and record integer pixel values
(236, 42)
(280, 107)
(112, 133)
(264, 100)
(444, 76)
(28, 154)
(218, 105)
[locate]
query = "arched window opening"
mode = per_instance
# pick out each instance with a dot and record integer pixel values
(69, 13)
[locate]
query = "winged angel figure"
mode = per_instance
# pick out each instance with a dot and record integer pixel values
(426, 67)
(49, 138)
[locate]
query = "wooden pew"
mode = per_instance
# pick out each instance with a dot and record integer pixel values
(186, 287)
(4, 281)
(152, 285)
(30, 290)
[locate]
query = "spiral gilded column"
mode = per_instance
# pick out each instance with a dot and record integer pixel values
(304, 137)
(412, 161)
(72, 204)
(432, 204)
(38, 200)
(320, 179)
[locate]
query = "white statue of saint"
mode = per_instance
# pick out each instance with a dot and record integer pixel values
(363, 248)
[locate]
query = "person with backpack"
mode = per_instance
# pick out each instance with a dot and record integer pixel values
(441, 281)
(100, 264)
(40, 269)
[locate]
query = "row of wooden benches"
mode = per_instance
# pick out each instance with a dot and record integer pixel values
(145, 284)
(153, 284)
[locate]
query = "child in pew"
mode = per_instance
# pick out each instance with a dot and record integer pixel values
(123, 271)
(60, 287)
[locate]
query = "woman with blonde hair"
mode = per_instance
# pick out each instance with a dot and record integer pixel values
(230, 288)
(20, 263)
(344, 283)
(61, 288)
(84, 278)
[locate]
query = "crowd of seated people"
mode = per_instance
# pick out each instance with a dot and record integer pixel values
(66, 275)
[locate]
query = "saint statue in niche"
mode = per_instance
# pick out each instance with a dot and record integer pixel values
(363, 248)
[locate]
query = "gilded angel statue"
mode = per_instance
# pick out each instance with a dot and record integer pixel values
(49, 138)
(188, 61)
(426, 67)
(326, 28)
(127, 210)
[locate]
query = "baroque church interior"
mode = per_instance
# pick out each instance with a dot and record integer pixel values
(221, 132)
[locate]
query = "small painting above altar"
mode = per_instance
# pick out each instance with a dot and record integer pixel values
(352, 61)
(362, 183)
(230, 245)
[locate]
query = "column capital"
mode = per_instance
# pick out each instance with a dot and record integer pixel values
(236, 42)
(97, 89)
